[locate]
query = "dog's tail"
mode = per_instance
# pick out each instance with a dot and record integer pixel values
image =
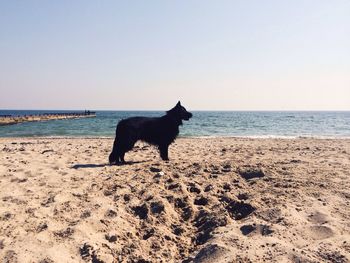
(113, 157)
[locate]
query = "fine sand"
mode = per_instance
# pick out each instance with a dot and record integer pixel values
(216, 200)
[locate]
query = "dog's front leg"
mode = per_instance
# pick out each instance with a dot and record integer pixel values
(164, 152)
(122, 158)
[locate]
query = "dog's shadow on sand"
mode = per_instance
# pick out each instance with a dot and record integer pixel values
(88, 165)
(92, 165)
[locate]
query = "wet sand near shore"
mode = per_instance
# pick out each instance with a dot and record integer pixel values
(216, 200)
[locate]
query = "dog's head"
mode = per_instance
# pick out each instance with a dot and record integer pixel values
(180, 112)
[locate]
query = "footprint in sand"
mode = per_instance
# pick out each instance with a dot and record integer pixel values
(10, 256)
(211, 253)
(64, 233)
(63, 173)
(206, 222)
(318, 218)
(193, 188)
(46, 260)
(239, 210)
(48, 201)
(201, 201)
(320, 232)
(251, 172)
(88, 253)
(252, 229)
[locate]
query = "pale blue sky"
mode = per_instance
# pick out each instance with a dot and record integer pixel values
(213, 55)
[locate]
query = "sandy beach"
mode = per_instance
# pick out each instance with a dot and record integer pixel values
(216, 200)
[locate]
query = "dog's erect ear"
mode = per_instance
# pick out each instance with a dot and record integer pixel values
(178, 104)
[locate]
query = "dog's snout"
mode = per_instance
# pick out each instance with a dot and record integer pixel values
(187, 116)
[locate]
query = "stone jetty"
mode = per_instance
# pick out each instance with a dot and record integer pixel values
(13, 119)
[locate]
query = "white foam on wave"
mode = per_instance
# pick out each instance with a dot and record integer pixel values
(286, 137)
(290, 137)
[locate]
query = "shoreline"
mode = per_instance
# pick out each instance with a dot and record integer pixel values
(258, 137)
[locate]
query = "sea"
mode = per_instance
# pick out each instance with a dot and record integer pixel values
(254, 124)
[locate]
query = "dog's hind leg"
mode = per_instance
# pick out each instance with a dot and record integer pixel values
(124, 147)
(163, 149)
(113, 157)
(120, 152)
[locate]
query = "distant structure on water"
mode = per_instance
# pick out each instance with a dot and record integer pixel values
(12, 119)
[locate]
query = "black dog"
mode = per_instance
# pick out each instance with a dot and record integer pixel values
(159, 131)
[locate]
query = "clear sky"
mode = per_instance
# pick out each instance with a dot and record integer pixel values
(211, 55)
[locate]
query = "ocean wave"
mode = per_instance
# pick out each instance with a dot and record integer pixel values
(291, 137)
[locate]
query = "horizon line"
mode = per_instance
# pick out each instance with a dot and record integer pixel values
(198, 110)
